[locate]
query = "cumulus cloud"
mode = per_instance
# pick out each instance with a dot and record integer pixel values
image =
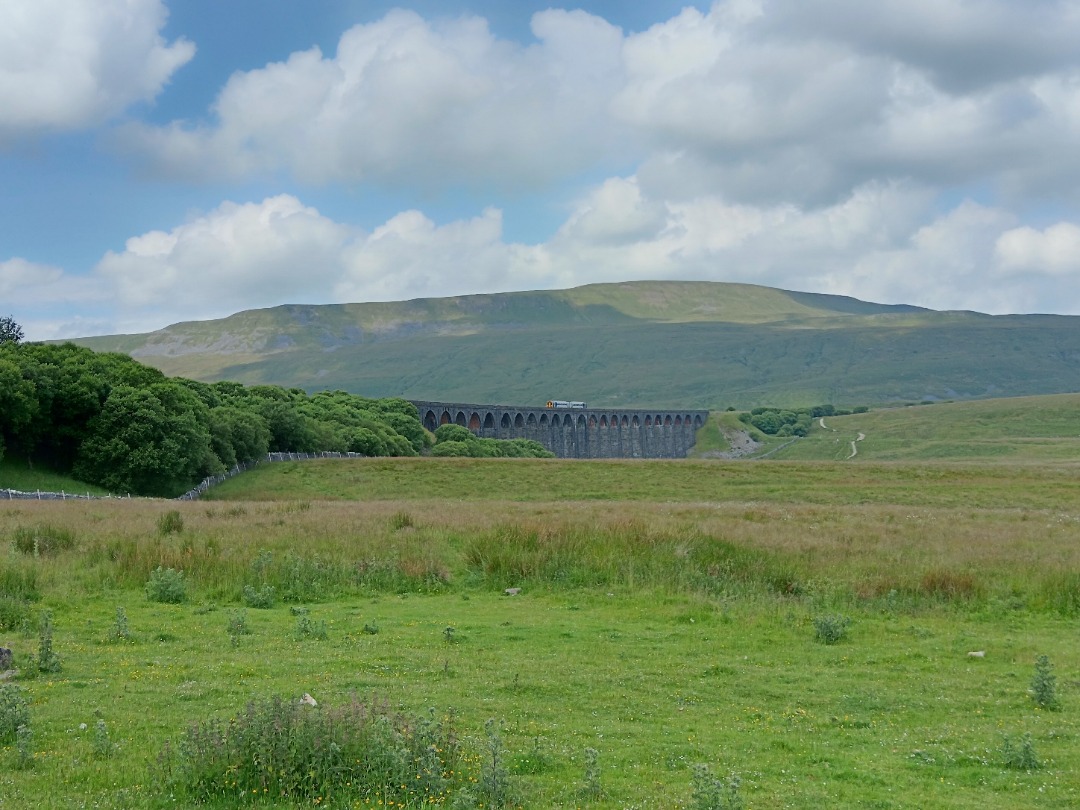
(405, 100)
(239, 256)
(760, 101)
(50, 295)
(70, 64)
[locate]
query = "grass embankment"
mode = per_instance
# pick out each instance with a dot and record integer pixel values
(18, 475)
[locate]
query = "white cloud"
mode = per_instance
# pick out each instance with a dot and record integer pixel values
(882, 243)
(759, 101)
(408, 101)
(1054, 251)
(70, 64)
(49, 295)
(236, 257)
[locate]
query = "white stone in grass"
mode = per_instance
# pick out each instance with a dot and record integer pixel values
(977, 654)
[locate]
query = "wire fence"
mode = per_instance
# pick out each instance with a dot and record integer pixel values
(190, 495)
(214, 480)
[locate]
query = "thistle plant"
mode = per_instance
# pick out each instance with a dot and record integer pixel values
(47, 660)
(590, 783)
(1044, 685)
(120, 630)
(24, 747)
(1020, 756)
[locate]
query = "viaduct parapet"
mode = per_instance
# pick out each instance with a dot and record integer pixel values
(576, 432)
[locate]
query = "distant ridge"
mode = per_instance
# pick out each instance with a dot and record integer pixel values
(647, 343)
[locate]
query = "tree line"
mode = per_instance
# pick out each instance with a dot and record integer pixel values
(107, 419)
(793, 421)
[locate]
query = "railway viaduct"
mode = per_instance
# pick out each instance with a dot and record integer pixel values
(577, 432)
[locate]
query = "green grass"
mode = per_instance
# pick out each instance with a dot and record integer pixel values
(897, 716)
(15, 474)
(706, 481)
(666, 618)
(1016, 430)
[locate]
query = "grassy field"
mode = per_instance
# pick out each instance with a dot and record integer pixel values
(15, 474)
(1011, 431)
(667, 617)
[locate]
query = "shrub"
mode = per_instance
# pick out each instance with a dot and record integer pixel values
(261, 598)
(120, 630)
(329, 756)
(24, 747)
(494, 788)
(590, 783)
(42, 539)
(103, 746)
(306, 627)
(14, 712)
(1044, 685)
(236, 625)
(831, 629)
(47, 659)
(172, 522)
(714, 793)
(166, 585)
(1020, 757)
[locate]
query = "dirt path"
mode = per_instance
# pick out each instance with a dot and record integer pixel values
(854, 449)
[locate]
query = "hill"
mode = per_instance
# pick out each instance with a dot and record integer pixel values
(1018, 430)
(663, 344)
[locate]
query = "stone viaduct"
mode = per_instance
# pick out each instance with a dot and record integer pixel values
(576, 432)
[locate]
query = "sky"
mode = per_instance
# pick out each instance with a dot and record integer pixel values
(175, 160)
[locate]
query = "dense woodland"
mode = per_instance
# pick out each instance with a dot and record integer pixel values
(109, 420)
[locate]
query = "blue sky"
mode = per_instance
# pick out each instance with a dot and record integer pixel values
(169, 160)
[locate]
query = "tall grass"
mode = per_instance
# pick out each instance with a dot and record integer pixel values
(835, 555)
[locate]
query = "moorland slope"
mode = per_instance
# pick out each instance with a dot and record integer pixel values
(685, 344)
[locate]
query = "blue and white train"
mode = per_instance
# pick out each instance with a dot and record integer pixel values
(559, 403)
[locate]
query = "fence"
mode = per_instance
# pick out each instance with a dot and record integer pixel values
(38, 495)
(190, 495)
(214, 480)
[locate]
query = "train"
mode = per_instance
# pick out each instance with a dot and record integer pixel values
(560, 403)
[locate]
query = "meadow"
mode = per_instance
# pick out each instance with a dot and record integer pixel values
(670, 615)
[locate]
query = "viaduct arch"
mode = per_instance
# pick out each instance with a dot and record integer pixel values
(576, 432)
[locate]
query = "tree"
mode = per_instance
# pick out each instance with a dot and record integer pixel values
(10, 332)
(148, 441)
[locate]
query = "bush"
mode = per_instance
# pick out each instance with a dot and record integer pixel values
(831, 629)
(329, 755)
(259, 598)
(47, 660)
(14, 712)
(166, 585)
(1044, 685)
(714, 793)
(453, 433)
(42, 539)
(1021, 756)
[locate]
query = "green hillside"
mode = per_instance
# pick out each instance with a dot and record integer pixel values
(1012, 431)
(685, 344)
